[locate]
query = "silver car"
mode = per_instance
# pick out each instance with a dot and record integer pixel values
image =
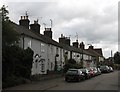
(111, 69)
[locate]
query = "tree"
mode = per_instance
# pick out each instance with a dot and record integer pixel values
(16, 62)
(4, 13)
(9, 36)
(117, 58)
(9, 39)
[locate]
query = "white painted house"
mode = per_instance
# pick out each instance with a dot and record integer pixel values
(47, 51)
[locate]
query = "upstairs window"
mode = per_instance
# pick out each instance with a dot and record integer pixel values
(42, 47)
(29, 44)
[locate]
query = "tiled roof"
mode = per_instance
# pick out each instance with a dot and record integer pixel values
(22, 30)
(94, 53)
(99, 50)
(49, 40)
(71, 48)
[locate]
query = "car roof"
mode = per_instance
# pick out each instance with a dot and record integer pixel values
(73, 69)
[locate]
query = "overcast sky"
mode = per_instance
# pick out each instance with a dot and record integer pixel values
(95, 21)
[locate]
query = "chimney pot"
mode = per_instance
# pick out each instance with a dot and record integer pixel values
(75, 44)
(64, 40)
(82, 45)
(35, 27)
(24, 22)
(48, 32)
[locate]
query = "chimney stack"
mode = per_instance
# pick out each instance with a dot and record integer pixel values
(35, 27)
(24, 21)
(82, 45)
(75, 44)
(48, 32)
(91, 47)
(64, 40)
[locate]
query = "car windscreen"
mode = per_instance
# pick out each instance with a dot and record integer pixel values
(103, 67)
(83, 70)
(72, 72)
(94, 69)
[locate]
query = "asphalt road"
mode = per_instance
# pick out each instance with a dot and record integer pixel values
(107, 81)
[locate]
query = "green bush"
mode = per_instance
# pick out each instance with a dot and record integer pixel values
(71, 64)
(117, 66)
(13, 81)
(71, 61)
(17, 63)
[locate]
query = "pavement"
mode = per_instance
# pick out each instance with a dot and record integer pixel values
(38, 83)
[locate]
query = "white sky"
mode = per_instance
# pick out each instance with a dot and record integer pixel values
(95, 21)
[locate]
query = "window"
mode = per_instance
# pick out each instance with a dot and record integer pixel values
(42, 47)
(29, 44)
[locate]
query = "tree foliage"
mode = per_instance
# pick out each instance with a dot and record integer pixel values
(16, 62)
(117, 58)
(4, 13)
(9, 36)
(71, 61)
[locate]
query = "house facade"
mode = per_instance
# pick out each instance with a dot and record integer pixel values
(48, 52)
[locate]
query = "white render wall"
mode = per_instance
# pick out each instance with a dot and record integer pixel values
(47, 53)
(52, 51)
(51, 57)
(76, 57)
(101, 59)
(40, 48)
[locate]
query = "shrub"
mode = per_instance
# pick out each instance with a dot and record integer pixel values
(71, 64)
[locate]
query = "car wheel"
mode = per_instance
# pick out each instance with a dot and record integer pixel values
(84, 78)
(66, 79)
(78, 80)
(88, 77)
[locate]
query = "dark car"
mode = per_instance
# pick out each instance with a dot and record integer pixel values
(74, 75)
(104, 69)
(86, 72)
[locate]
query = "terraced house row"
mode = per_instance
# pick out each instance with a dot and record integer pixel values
(48, 52)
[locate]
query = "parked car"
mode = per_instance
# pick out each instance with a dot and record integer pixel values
(95, 71)
(86, 72)
(98, 71)
(74, 75)
(104, 69)
(91, 72)
(111, 69)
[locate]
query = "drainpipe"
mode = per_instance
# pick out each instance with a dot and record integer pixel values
(23, 40)
(82, 58)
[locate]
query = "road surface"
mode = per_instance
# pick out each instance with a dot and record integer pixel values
(107, 81)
